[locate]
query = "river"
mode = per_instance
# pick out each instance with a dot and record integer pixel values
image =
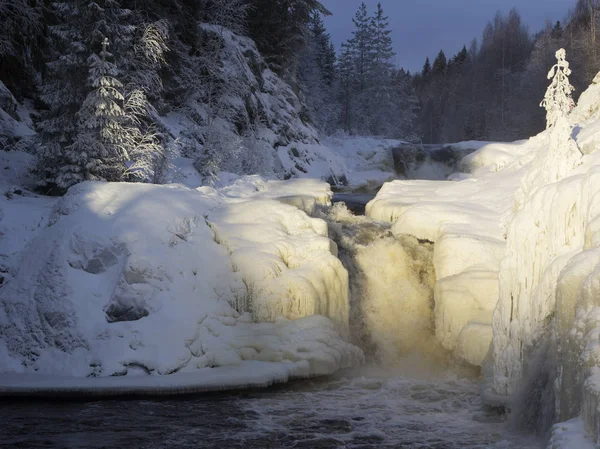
(364, 408)
(414, 401)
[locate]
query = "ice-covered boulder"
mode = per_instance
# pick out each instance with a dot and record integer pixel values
(465, 219)
(134, 279)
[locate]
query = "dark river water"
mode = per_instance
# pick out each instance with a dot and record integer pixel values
(366, 408)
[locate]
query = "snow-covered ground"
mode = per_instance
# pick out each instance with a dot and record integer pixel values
(134, 279)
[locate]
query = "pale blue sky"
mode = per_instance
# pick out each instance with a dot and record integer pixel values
(422, 27)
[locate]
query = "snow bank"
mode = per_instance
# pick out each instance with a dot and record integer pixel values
(133, 279)
(569, 435)
(465, 218)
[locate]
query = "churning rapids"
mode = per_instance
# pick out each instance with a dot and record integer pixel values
(409, 395)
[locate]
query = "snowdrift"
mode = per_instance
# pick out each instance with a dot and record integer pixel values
(138, 280)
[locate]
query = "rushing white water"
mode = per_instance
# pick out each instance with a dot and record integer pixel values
(373, 407)
(409, 406)
(391, 288)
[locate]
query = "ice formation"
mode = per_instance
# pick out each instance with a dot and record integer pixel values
(464, 219)
(128, 279)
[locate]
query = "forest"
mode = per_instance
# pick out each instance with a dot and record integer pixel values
(100, 76)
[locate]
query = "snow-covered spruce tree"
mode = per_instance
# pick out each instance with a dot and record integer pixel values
(78, 30)
(379, 96)
(316, 74)
(558, 101)
(76, 83)
(99, 150)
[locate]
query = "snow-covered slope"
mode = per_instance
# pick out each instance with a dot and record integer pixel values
(14, 120)
(133, 279)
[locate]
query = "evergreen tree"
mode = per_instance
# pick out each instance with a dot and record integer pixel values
(99, 150)
(86, 105)
(21, 42)
(426, 68)
(380, 96)
(558, 100)
(346, 93)
(280, 28)
(361, 46)
(383, 52)
(406, 108)
(317, 75)
(439, 64)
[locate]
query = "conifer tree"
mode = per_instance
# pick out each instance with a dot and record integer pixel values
(316, 75)
(426, 68)
(346, 94)
(380, 97)
(99, 150)
(361, 46)
(80, 30)
(558, 100)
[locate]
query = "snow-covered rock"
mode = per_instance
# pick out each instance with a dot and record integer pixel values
(465, 218)
(14, 120)
(134, 279)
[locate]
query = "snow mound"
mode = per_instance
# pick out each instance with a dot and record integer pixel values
(137, 280)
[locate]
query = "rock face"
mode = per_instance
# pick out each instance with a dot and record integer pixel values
(7, 102)
(415, 161)
(243, 104)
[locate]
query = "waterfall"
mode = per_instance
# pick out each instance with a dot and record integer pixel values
(391, 288)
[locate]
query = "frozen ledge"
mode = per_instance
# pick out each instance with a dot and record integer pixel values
(491, 399)
(251, 374)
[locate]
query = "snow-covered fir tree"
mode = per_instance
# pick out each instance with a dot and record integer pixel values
(98, 124)
(316, 72)
(80, 30)
(558, 100)
(100, 147)
(379, 97)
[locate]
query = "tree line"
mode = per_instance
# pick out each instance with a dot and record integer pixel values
(359, 90)
(492, 89)
(489, 90)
